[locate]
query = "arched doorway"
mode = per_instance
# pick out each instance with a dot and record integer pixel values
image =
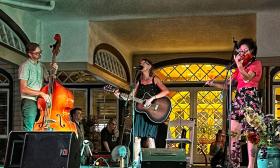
(275, 84)
(192, 100)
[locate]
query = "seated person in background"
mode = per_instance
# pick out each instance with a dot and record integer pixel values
(109, 136)
(161, 137)
(76, 117)
(217, 149)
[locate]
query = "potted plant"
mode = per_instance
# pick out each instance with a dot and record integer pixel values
(266, 130)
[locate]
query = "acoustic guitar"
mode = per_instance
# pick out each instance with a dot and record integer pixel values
(157, 112)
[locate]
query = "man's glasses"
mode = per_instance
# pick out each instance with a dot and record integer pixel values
(37, 53)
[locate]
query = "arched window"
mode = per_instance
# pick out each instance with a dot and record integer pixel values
(275, 83)
(276, 77)
(110, 59)
(11, 34)
(5, 103)
(10, 38)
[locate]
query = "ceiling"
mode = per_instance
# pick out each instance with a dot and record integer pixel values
(180, 34)
(164, 26)
(100, 10)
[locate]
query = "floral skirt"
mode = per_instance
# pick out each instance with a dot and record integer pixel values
(246, 97)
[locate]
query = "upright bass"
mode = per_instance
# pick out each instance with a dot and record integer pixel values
(55, 113)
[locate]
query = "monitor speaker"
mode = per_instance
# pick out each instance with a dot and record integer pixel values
(14, 149)
(163, 157)
(42, 149)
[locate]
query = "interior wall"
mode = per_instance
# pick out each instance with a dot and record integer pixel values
(268, 33)
(74, 45)
(156, 58)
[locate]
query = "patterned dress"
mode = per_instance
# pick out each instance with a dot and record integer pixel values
(247, 95)
(143, 126)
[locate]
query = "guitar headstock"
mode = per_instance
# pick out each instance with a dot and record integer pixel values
(109, 88)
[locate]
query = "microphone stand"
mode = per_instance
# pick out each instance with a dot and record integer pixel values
(227, 149)
(229, 108)
(133, 116)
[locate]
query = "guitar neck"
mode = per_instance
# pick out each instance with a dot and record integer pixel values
(158, 111)
(126, 97)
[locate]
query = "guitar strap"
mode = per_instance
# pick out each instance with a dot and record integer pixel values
(155, 85)
(154, 80)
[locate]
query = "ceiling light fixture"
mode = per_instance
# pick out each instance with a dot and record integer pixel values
(48, 6)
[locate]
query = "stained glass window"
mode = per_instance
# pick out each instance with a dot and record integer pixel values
(191, 72)
(206, 106)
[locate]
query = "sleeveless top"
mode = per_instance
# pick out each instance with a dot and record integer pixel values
(143, 126)
(152, 89)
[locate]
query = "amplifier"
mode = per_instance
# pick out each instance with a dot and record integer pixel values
(163, 157)
(42, 149)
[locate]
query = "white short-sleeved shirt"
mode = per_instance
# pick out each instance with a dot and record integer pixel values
(33, 72)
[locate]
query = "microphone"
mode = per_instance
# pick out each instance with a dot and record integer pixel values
(139, 67)
(235, 51)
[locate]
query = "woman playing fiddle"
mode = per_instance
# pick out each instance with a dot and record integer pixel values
(247, 75)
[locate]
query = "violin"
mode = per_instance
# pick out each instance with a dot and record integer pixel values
(247, 57)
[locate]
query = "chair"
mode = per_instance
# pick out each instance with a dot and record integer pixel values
(181, 124)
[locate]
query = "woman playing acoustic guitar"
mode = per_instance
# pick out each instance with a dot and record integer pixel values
(147, 82)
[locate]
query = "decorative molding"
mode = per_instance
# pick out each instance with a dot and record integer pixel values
(76, 77)
(108, 78)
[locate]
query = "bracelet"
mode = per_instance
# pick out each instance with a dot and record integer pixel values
(155, 97)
